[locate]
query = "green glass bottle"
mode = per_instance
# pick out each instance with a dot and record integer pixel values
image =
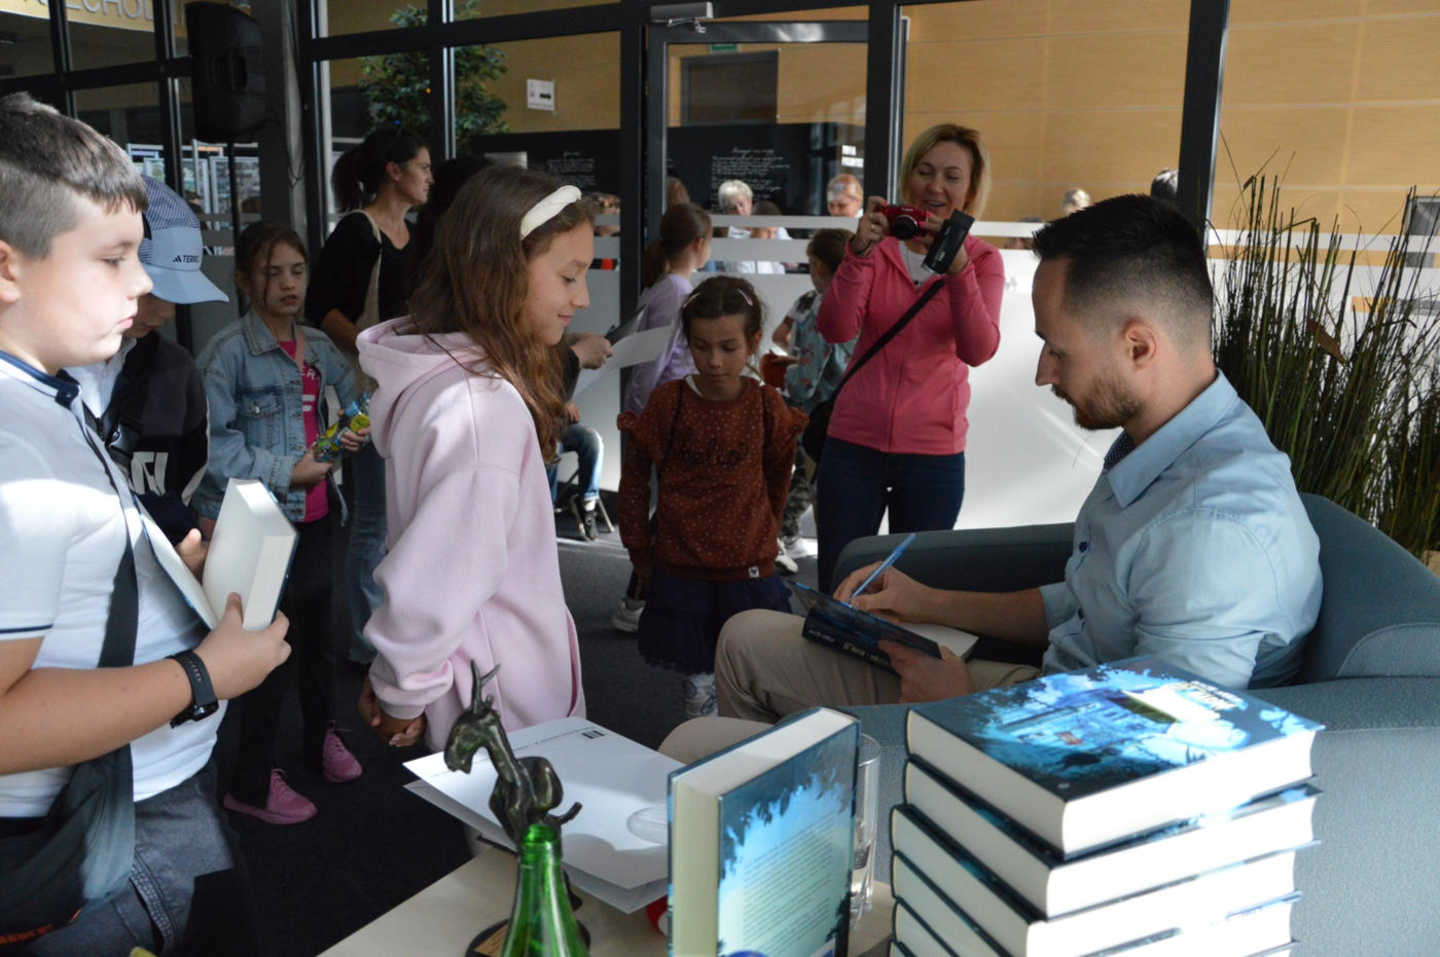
(541, 922)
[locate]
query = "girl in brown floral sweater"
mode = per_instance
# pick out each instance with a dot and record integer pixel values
(722, 446)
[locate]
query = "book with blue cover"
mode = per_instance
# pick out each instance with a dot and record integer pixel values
(1056, 884)
(1083, 759)
(843, 627)
(1021, 930)
(761, 843)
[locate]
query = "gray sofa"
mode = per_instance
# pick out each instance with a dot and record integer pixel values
(1371, 675)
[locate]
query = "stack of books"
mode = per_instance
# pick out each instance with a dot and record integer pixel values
(1133, 808)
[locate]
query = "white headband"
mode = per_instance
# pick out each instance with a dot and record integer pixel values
(547, 209)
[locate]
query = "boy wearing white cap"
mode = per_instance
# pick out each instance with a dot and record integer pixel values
(148, 400)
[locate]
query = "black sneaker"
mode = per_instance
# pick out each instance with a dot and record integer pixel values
(584, 519)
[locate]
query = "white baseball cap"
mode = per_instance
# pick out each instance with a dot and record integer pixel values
(173, 247)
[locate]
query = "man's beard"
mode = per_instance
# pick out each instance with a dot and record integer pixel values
(1109, 405)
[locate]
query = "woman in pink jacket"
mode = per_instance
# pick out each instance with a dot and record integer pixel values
(466, 413)
(897, 434)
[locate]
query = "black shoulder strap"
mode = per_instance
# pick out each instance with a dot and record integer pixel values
(890, 333)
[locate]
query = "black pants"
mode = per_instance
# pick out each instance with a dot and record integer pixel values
(306, 602)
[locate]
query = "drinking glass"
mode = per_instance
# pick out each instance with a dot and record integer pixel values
(867, 810)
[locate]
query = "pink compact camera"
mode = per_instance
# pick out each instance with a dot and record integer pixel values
(906, 222)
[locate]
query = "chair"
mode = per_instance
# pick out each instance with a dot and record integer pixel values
(1370, 673)
(569, 488)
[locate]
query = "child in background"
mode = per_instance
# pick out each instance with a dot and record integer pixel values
(722, 446)
(816, 373)
(264, 376)
(467, 384)
(670, 261)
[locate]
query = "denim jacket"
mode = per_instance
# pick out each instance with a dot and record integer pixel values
(257, 425)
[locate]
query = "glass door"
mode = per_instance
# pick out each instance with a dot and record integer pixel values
(753, 120)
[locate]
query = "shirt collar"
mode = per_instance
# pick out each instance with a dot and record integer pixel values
(258, 335)
(1133, 474)
(62, 390)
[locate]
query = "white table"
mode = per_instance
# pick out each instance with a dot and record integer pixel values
(442, 919)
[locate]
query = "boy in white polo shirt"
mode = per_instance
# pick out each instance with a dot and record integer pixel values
(70, 279)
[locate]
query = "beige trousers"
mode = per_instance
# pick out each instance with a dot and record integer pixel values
(766, 669)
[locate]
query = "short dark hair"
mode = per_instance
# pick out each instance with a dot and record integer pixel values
(1133, 246)
(47, 159)
(1166, 185)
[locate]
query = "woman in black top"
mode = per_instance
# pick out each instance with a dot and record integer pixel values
(382, 179)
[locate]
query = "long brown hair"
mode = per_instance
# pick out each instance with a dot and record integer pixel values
(476, 281)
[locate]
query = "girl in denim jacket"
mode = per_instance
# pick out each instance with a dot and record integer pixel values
(264, 376)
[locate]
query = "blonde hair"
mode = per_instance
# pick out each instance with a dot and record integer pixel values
(979, 160)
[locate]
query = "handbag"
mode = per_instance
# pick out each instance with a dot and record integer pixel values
(812, 440)
(83, 849)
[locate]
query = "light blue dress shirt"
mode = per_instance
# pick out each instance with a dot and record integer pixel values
(1194, 547)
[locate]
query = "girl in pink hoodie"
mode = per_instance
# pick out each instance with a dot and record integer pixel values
(466, 413)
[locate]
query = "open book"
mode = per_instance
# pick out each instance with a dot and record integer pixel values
(249, 554)
(846, 628)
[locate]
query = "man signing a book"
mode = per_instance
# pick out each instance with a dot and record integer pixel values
(1193, 545)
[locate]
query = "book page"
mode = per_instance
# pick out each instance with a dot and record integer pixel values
(178, 572)
(610, 775)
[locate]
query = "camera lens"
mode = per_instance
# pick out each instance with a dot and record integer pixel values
(904, 228)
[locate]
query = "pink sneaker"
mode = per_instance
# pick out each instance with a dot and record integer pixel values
(283, 805)
(337, 764)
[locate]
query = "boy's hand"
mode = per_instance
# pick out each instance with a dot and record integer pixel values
(922, 678)
(396, 732)
(239, 660)
(192, 550)
(308, 471)
(353, 440)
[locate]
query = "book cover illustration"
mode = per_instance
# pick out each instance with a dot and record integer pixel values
(1082, 733)
(786, 840)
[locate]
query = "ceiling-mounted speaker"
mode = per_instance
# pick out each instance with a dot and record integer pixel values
(228, 79)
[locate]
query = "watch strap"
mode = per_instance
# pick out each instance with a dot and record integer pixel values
(203, 702)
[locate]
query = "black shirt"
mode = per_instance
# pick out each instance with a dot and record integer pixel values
(341, 276)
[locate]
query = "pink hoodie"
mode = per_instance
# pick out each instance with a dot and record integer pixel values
(912, 396)
(472, 573)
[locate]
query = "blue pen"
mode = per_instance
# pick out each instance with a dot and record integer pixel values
(899, 550)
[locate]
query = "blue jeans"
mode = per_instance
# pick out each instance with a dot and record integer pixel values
(586, 443)
(367, 545)
(183, 892)
(856, 484)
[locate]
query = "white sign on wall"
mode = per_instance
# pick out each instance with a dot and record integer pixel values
(540, 95)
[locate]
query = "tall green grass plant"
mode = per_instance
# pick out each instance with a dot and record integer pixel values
(1344, 378)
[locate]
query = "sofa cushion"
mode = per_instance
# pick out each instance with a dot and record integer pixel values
(1380, 616)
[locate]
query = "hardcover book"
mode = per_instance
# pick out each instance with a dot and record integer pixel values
(1083, 759)
(837, 625)
(761, 841)
(1023, 931)
(249, 555)
(1056, 885)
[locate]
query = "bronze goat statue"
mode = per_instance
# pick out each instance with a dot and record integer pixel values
(526, 789)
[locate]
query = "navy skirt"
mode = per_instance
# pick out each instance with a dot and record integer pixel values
(681, 623)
